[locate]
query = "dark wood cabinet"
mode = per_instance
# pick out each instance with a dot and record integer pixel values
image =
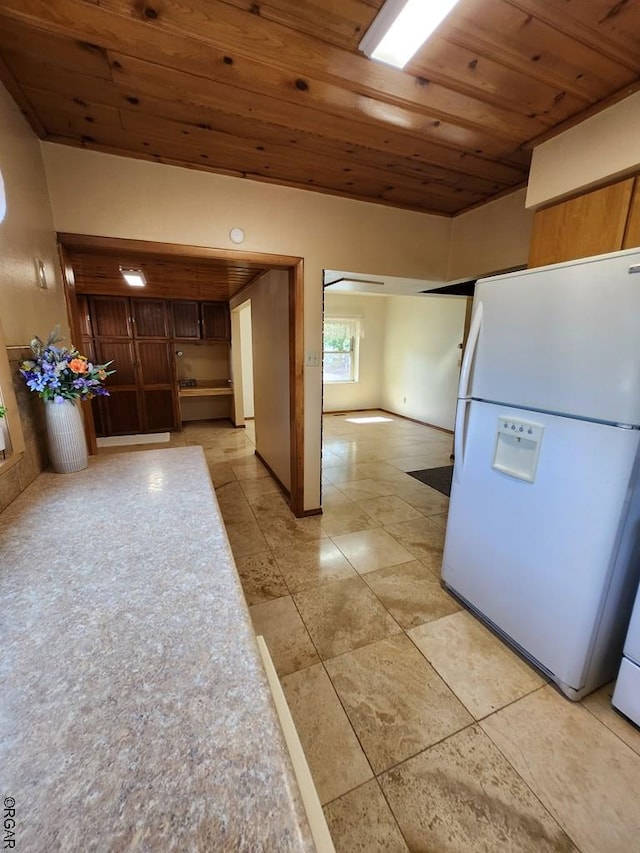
(134, 335)
(200, 321)
(216, 325)
(185, 318)
(149, 318)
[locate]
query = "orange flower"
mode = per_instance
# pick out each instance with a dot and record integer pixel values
(78, 365)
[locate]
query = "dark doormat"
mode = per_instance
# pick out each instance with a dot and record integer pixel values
(437, 478)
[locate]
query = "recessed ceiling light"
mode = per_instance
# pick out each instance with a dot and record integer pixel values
(401, 27)
(236, 235)
(133, 277)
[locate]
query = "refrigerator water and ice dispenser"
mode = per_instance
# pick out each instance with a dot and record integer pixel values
(517, 448)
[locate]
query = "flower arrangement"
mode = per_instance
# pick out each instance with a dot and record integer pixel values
(58, 374)
(3, 411)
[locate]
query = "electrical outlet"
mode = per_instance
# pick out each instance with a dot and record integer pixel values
(404, 399)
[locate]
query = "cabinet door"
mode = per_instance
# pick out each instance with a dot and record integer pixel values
(159, 410)
(632, 232)
(591, 224)
(149, 318)
(186, 320)
(110, 316)
(154, 363)
(118, 414)
(215, 321)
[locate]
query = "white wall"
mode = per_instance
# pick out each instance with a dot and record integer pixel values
(595, 151)
(101, 194)
(270, 335)
(246, 344)
(421, 359)
(491, 238)
(366, 393)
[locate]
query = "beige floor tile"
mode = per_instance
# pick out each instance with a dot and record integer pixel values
(481, 669)
(260, 577)
(336, 760)
(423, 538)
(397, 704)
(362, 822)
(440, 519)
(411, 593)
(337, 520)
(599, 704)
(368, 550)
(359, 490)
(311, 564)
(422, 497)
(287, 531)
(254, 489)
(249, 468)
(373, 471)
(436, 457)
(245, 538)
(287, 639)
(344, 615)
(462, 796)
(333, 496)
(389, 510)
(582, 772)
(233, 504)
(221, 473)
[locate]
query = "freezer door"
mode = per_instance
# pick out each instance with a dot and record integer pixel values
(536, 558)
(562, 339)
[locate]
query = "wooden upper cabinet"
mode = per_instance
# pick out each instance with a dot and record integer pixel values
(216, 325)
(632, 231)
(150, 318)
(185, 320)
(591, 224)
(110, 316)
(84, 316)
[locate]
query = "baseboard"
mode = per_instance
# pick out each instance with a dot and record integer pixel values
(283, 488)
(309, 512)
(416, 421)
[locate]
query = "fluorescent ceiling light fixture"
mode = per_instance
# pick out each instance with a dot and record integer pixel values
(401, 27)
(134, 278)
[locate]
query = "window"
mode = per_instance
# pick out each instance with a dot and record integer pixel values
(340, 345)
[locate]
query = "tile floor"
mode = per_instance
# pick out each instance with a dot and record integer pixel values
(422, 730)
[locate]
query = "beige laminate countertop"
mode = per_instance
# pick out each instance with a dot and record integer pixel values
(135, 710)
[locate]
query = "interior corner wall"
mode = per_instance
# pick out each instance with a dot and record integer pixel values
(366, 393)
(491, 238)
(422, 357)
(593, 152)
(26, 233)
(270, 338)
(246, 343)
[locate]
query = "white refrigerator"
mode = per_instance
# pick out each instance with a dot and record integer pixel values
(543, 536)
(626, 696)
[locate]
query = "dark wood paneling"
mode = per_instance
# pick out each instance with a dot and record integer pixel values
(159, 410)
(110, 317)
(123, 356)
(185, 320)
(216, 324)
(149, 318)
(154, 363)
(117, 414)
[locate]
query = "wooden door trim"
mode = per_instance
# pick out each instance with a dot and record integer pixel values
(294, 264)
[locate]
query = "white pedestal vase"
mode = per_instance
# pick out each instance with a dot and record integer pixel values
(65, 437)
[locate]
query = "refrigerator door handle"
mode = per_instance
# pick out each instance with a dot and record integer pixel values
(459, 437)
(469, 352)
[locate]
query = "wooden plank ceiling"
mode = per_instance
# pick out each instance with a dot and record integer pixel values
(97, 270)
(276, 90)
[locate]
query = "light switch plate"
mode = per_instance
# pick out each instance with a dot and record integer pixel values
(312, 358)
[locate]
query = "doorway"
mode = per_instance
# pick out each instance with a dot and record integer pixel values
(90, 266)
